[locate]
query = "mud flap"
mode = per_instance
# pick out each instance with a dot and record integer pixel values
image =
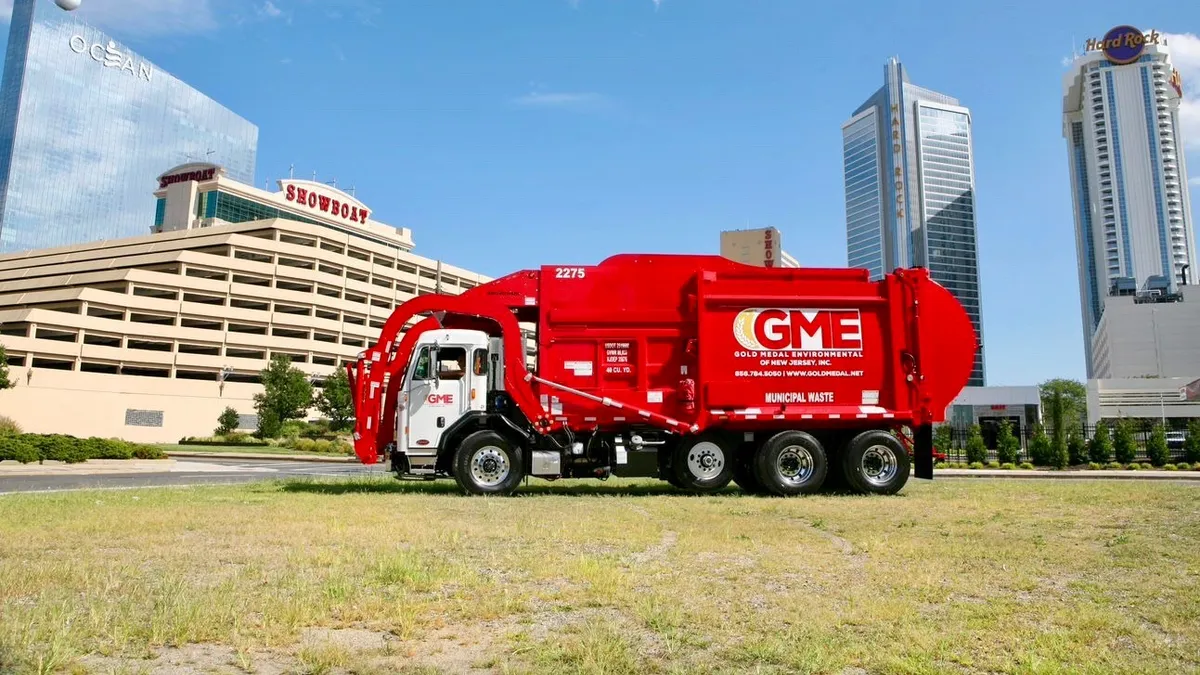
(923, 451)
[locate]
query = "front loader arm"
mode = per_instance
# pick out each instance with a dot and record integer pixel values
(375, 403)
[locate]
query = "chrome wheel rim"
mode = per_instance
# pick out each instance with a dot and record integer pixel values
(705, 460)
(489, 466)
(795, 464)
(879, 465)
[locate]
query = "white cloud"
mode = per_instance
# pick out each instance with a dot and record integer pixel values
(143, 18)
(575, 4)
(1185, 56)
(559, 100)
(270, 10)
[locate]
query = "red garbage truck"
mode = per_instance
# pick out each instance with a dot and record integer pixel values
(693, 369)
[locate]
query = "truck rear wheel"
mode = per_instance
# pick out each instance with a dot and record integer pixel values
(487, 463)
(791, 463)
(703, 464)
(875, 462)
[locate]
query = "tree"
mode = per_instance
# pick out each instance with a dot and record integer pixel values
(227, 421)
(1040, 447)
(1156, 448)
(1124, 446)
(5, 383)
(976, 448)
(1007, 446)
(1064, 403)
(943, 439)
(1100, 449)
(335, 401)
(1191, 446)
(286, 395)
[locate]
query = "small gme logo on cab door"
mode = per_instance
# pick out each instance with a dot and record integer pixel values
(809, 330)
(440, 399)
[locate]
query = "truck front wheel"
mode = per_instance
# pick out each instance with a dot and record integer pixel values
(791, 463)
(487, 463)
(875, 463)
(703, 464)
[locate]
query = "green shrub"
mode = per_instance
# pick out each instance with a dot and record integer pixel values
(269, 425)
(17, 448)
(1170, 467)
(993, 465)
(1156, 448)
(943, 439)
(1191, 444)
(1100, 448)
(1147, 465)
(59, 448)
(1008, 447)
(1040, 448)
(1124, 445)
(316, 429)
(975, 465)
(1076, 449)
(9, 426)
(1095, 466)
(1008, 466)
(227, 421)
(1132, 466)
(104, 448)
(976, 448)
(233, 439)
(1026, 466)
(293, 428)
(148, 452)
(1115, 465)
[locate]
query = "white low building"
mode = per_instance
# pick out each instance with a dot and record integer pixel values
(149, 338)
(1155, 398)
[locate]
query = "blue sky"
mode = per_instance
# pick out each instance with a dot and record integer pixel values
(509, 134)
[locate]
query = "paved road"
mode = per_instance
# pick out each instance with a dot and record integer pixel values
(186, 472)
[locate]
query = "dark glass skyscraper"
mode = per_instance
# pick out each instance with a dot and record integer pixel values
(86, 125)
(910, 190)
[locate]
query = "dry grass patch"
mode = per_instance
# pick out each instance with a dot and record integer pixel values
(626, 577)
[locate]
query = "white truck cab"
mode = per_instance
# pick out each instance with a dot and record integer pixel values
(446, 378)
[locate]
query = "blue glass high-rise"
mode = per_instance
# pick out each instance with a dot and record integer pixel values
(86, 125)
(910, 190)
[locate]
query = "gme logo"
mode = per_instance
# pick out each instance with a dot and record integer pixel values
(810, 330)
(440, 399)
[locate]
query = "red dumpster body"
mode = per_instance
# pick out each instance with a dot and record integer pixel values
(692, 346)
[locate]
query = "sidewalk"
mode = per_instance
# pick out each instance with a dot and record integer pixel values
(118, 466)
(331, 459)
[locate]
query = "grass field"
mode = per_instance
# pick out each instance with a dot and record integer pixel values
(620, 577)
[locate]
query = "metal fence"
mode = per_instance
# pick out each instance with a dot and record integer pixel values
(1141, 429)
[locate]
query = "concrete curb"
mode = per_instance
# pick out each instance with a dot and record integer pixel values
(263, 456)
(1084, 474)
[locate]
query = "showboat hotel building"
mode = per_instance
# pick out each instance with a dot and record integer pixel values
(150, 337)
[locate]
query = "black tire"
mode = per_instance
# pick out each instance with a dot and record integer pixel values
(743, 471)
(875, 462)
(703, 463)
(791, 463)
(486, 463)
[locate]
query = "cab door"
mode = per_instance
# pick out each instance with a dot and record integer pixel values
(438, 393)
